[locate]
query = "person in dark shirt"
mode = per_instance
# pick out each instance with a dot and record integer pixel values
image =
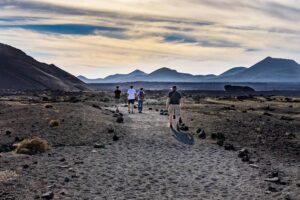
(117, 97)
(173, 105)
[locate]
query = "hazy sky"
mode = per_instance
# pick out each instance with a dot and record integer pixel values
(96, 38)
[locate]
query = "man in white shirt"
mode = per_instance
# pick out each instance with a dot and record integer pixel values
(131, 98)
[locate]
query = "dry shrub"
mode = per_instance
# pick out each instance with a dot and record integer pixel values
(54, 123)
(32, 146)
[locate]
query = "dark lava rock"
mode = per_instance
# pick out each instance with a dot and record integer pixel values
(25, 166)
(8, 132)
(110, 130)
(66, 180)
(298, 184)
(243, 152)
(244, 155)
(48, 195)
(120, 119)
(286, 118)
(62, 160)
(99, 146)
(272, 189)
(156, 110)
(116, 138)
(48, 106)
(267, 114)
(220, 142)
(183, 127)
(218, 136)
(229, 147)
(116, 115)
(201, 133)
(150, 109)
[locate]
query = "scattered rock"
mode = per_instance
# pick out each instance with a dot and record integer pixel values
(116, 138)
(244, 155)
(267, 114)
(62, 160)
(48, 106)
(272, 189)
(286, 118)
(156, 110)
(110, 130)
(150, 109)
(254, 166)
(66, 180)
(274, 179)
(201, 133)
(229, 147)
(63, 192)
(8, 133)
(48, 195)
(290, 135)
(26, 166)
(120, 119)
(99, 146)
(220, 142)
(54, 123)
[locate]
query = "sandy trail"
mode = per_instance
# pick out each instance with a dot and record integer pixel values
(150, 164)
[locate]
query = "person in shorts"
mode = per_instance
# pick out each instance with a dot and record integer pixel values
(141, 97)
(173, 105)
(117, 97)
(131, 95)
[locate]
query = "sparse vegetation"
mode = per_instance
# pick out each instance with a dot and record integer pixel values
(54, 123)
(32, 146)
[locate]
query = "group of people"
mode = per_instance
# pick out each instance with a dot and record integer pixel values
(173, 104)
(132, 96)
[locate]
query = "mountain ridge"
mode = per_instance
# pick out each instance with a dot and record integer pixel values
(267, 70)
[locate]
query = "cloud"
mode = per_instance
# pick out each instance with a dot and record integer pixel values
(72, 29)
(98, 38)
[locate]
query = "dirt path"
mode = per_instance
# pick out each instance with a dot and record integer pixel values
(149, 164)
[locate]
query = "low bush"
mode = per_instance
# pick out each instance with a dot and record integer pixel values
(32, 146)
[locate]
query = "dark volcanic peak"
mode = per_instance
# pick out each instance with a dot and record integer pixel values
(19, 71)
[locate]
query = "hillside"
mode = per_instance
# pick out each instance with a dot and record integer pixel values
(19, 71)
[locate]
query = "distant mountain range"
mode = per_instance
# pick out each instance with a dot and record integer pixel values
(19, 71)
(267, 70)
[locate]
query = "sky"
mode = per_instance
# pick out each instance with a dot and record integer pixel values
(96, 38)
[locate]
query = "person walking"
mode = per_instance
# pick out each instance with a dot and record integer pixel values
(141, 97)
(131, 95)
(173, 105)
(117, 98)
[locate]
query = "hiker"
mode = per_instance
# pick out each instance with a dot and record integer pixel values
(131, 98)
(141, 97)
(174, 103)
(117, 98)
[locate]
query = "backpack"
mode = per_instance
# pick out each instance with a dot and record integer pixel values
(141, 95)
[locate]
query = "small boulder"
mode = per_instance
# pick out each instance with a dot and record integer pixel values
(48, 195)
(48, 106)
(99, 146)
(229, 147)
(120, 119)
(116, 138)
(201, 133)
